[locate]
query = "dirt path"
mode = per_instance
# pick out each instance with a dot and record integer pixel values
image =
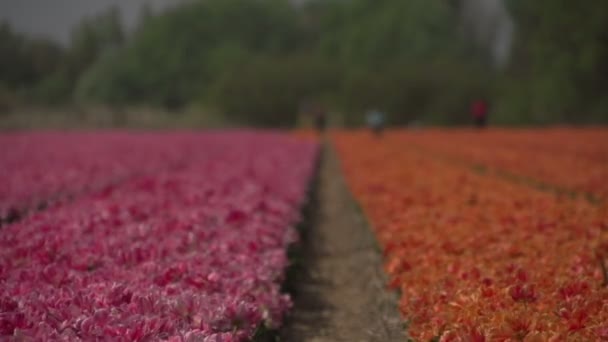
(340, 292)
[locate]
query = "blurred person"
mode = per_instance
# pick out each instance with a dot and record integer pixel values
(320, 118)
(479, 111)
(375, 121)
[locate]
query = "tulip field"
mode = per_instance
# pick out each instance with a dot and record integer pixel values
(179, 237)
(486, 235)
(568, 159)
(481, 257)
(39, 169)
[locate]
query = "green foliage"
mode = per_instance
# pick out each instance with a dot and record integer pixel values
(256, 61)
(179, 54)
(54, 89)
(403, 57)
(562, 60)
(43, 72)
(372, 33)
(107, 79)
(93, 37)
(25, 62)
(8, 100)
(429, 92)
(268, 92)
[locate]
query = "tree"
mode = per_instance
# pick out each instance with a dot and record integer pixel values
(174, 56)
(26, 66)
(93, 37)
(268, 92)
(562, 57)
(372, 33)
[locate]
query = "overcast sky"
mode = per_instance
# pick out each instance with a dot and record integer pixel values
(55, 18)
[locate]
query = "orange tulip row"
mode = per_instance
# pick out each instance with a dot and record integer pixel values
(476, 257)
(571, 159)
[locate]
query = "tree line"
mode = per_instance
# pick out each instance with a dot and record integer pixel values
(257, 61)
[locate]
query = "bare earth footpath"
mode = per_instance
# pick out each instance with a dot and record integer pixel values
(339, 289)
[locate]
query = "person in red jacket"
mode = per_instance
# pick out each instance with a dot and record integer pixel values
(479, 111)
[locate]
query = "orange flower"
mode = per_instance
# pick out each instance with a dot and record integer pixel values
(478, 256)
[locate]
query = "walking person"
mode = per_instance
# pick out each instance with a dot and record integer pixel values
(320, 118)
(479, 111)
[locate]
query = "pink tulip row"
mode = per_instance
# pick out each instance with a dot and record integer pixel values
(196, 253)
(41, 168)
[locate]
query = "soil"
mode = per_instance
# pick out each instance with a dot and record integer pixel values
(339, 288)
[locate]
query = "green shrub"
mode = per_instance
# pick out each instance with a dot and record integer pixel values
(268, 91)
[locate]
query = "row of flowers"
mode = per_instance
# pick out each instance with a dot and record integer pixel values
(41, 168)
(196, 253)
(476, 257)
(572, 159)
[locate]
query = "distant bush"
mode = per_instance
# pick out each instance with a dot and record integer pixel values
(54, 89)
(8, 99)
(439, 92)
(558, 73)
(256, 61)
(267, 92)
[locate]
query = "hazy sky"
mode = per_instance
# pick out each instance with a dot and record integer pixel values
(55, 18)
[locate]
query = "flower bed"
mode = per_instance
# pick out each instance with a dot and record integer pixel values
(478, 258)
(571, 159)
(196, 253)
(41, 168)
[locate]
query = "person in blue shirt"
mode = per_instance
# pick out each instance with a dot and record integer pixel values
(375, 121)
